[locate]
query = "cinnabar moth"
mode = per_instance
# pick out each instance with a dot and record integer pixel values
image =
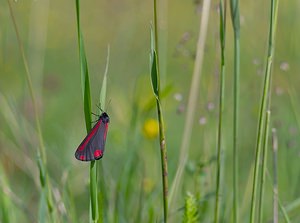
(93, 145)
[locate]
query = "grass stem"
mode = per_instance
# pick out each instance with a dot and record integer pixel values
(235, 17)
(222, 7)
(164, 159)
(85, 83)
(264, 166)
(41, 153)
(263, 106)
(192, 101)
(155, 80)
(275, 175)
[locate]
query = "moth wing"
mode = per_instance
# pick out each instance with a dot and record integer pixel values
(92, 147)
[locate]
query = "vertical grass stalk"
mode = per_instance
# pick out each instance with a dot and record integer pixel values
(283, 211)
(222, 7)
(263, 106)
(192, 101)
(41, 152)
(264, 167)
(279, 204)
(155, 80)
(276, 201)
(85, 84)
(235, 18)
(275, 176)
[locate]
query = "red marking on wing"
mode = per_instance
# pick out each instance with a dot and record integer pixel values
(98, 153)
(89, 136)
(82, 157)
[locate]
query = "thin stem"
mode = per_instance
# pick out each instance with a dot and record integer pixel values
(235, 130)
(156, 41)
(41, 153)
(93, 190)
(164, 159)
(192, 101)
(275, 176)
(221, 108)
(41, 148)
(235, 17)
(162, 140)
(266, 92)
(85, 83)
(264, 166)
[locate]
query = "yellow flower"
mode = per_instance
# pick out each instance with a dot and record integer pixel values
(148, 185)
(150, 128)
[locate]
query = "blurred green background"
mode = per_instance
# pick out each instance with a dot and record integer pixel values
(48, 32)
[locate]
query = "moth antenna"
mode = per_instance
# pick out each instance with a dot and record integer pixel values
(99, 106)
(94, 121)
(95, 114)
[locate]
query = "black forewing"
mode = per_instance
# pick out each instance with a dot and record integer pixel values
(97, 142)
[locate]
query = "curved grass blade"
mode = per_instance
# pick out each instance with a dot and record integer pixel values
(192, 101)
(85, 84)
(41, 152)
(102, 98)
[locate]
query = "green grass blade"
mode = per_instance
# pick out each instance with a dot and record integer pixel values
(155, 80)
(85, 80)
(275, 175)
(221, 108)
(5, 207)
(293, 205)
(263, 106)
(85, 84)
(41, 152)
(93, 190)
(235, 18)
(153, 66)
(42, 214)
(284, 212)
(104, 82)
(283, 209)
(264, 167)
(102, 99)
(276, 201)
(192, 101)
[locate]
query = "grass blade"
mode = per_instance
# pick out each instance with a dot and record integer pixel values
(284, 212)
(235, 18)
(275, 176)
(264, 166)
(222, 6)
(104, 82)
(5, 207)
(192, 101)
(85, 80)
(41, 153)
(93, 190)
(276, 201)
(102, 98)
(155, 80)
(263, 106)
(153, 66)
(85, 84)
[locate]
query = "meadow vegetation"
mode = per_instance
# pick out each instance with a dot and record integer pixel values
(203, 105)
